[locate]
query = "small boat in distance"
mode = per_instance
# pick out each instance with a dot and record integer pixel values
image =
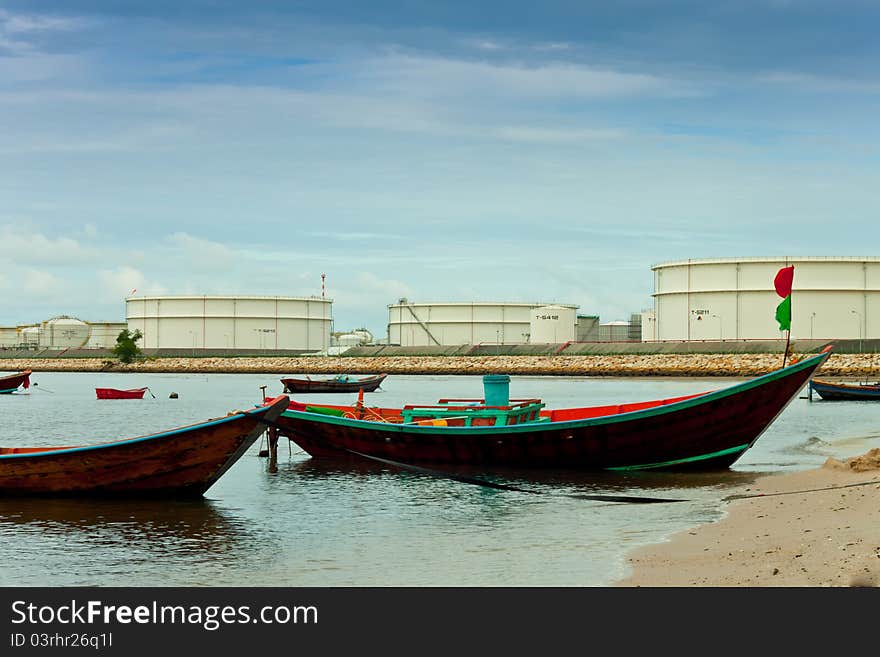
(832, 391)
(706, 431)
(113, 393)
(181, 462)
(338, 383)
(12, 382)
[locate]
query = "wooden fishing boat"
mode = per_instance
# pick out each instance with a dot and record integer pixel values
(706, 431)
(181, 462)
(830, 390)
(113, 393)
(338, 383)
(12, 382)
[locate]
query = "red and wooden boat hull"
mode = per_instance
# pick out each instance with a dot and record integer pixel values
(708, 431)
(182, 462)
(12, 382)
(299, 386)
(113, 393)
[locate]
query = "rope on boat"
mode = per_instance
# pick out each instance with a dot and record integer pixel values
(628, 499)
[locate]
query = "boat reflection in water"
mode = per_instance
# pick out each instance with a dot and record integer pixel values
(122, 540)
(578, 484)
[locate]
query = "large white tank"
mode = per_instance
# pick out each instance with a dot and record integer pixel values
(104, 334)
(833, 297)
(458, 323)
(221, 322)
(64, 332)
(552, 325)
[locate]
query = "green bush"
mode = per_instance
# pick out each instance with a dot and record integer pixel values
(126, 349)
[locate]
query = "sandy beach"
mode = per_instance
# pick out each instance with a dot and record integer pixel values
(815, 528)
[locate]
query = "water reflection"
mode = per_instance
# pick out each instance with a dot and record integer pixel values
(85, 541)
(537, 481)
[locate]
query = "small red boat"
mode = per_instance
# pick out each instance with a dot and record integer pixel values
(11, 382)
(113, 393)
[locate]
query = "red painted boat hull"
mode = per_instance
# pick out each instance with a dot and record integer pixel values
(299, 386)
(113, 393)
(12, 382)
(181, 462)
(705, 432)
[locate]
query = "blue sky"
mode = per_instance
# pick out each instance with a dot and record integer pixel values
(454, 151)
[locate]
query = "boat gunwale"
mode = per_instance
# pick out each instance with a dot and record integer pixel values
(529, 427)
(51, 451)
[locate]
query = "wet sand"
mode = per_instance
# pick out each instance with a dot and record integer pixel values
(816, 528)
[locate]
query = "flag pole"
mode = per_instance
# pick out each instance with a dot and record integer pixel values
(787, 342)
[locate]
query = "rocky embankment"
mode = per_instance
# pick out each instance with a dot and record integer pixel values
(852, 365)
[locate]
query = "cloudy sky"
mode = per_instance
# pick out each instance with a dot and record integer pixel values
(440, 151)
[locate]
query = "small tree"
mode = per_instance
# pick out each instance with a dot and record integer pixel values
(126, 349)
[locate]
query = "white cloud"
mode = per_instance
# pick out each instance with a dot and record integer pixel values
(25, 247)
(439, 77)
(42, 284)
(116, 284)
(202, 254)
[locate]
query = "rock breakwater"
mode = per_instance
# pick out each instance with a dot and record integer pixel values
(841, 365)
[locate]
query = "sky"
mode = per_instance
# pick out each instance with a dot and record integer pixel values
(447, 151)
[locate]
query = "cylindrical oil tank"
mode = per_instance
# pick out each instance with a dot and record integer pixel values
(227, 322)
(29, 336)
(64, 332)
(833, 297)
(459, 323)
(552, 325)
(104, 334)
(350, 340)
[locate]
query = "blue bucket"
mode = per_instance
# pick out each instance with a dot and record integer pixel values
(496, 389)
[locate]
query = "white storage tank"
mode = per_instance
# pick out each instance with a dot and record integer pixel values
(350, 340)
(64, 332)
(833, 297)
(460, 323)
(29, 336)
(9, 337)
(225, 322)
(553, 325)
(104, 334)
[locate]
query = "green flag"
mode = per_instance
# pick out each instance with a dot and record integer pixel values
(783, 314)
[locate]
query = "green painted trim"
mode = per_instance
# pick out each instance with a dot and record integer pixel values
(3, 392)
(809, 363)
(692, 459)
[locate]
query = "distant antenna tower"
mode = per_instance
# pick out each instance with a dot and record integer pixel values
(323, 276)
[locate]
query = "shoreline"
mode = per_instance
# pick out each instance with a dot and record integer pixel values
(813, 528)
(733, 365)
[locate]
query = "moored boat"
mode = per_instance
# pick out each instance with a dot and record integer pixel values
(12, 382)
(114, 393)
(711, 430)
(835, 391)
(338, 383)
(181, 462)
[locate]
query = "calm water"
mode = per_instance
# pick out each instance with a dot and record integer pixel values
(315, 524)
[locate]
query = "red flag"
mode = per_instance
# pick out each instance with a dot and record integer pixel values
(783, 281)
